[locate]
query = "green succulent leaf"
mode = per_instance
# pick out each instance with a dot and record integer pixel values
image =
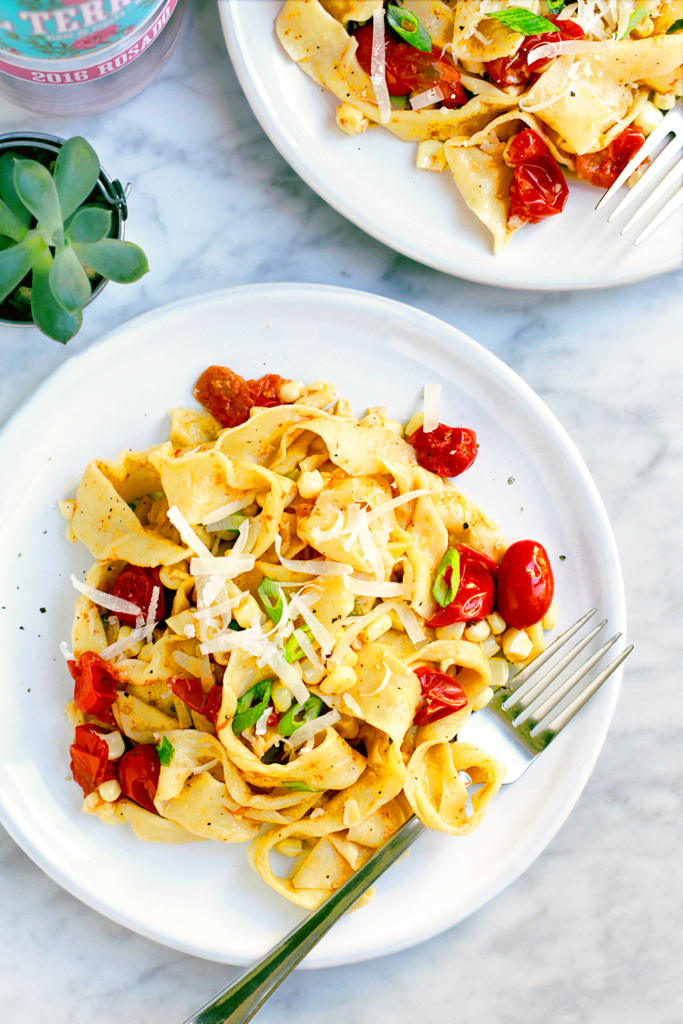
(89, 224)
(16, 262)
(119, 261)
(76, 172)
(10, 224)
(7, 190)
(36, 189)
(5, 243)
(68, 280)
(52, 319)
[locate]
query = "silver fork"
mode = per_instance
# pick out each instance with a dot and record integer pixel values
(516, 726)
(671, 124)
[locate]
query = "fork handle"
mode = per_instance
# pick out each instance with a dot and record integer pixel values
(238, 1003)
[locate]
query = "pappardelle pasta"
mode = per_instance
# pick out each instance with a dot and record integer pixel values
(507, 94)
(291, 614)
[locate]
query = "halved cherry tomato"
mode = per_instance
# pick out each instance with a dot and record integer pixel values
(525, 584)
(95, 685)
(476, 594)
(190, 691)
(446, 451)
(229, 397)
(138, 775)
(518, 69)
(410, 70)
(136, 584)
(90, 764)
(539, 188)
(441, 695)
(603, 168)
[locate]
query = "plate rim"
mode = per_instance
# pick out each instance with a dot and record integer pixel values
(484, 357)
(230, 27)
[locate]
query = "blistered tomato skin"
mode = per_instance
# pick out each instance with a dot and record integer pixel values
(229, 397)
(475, 597)
(441, 696)
(446, 451)
(138, 775)
(136, 584)
(410, 70)
(525, 584)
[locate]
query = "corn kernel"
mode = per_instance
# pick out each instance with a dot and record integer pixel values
(516, 645)
(110, 791)
(490, 647)
(348, 727)
(312, 462)
(146, 652)
(482, 699)
(291, 391)
(339, 680)
(310, 484)
(350, 659)
(649, 117)
(665, 101)
(375, 629)
(496, 624)
(114, 741)
(644, 29)
(452, 632)
(430, 156)
(248, 612)
(290, 847)
(351, 120)
(549, 620)
(282, 698)
(311, 674)
(500, 672)
(478, 631)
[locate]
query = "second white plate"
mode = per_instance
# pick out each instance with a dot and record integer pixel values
(204, 898)
(372, 180)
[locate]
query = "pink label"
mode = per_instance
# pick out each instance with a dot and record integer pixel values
(96, 69)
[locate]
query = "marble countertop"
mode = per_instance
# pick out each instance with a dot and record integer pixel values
(592, 931)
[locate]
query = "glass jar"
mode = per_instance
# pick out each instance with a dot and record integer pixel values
(85, 55)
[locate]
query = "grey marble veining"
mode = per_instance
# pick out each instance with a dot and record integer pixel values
(592, 932)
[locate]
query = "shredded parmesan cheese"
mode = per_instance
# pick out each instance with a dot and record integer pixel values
(187, 533)
(378, 74)
(321, 634)
(64, 648)
(353, 705)
(410, 623)
(388, 506)
(226, 510)
(365, 588)
(314, 567)
(223, 566)
(425, 99)
(105, 600)
(432, 401)
(311, 729)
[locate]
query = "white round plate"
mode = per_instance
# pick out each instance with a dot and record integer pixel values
(372, 180)
(204, 898)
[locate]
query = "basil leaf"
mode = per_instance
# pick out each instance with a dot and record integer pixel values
(247, 712)
(293, 651)
(272, 599)
(165, 750)
(407, 26)
(299, 787)
(640, 14)
(554, 6)
(443, 591)
(299, 714)
(676, 27)
(522, 21)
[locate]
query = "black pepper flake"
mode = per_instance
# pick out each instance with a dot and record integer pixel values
(562, 558)
(511, 479)
(42, 610)
(21, 627)
(465, 526)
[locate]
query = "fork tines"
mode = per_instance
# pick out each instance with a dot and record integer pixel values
(550, 701)
(672, 124)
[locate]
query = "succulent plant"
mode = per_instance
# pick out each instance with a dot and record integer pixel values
(45, 229)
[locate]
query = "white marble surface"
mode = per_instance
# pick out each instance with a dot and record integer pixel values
(592, 932)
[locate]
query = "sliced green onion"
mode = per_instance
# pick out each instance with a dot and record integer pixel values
(293, 651)
(299, 787)
(248, 712)
(407, 26)
(229, 523)
(234, 625)
(272, 599)
(444, 592)
(640, 14)
(554, 6)
(299, 714)
(522, 21)
(165, 750)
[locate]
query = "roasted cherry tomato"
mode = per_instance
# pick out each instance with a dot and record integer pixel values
(518, 69)
(229, 397)
(191, 693)
(446, 451)
(441, 696)
(473, 555)
(410, 70)
(525, 584)
(136, 584)
(139, 775)
(90, 764)
(95, 685)
(538, 188)
(603, 168)
(476, 594)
